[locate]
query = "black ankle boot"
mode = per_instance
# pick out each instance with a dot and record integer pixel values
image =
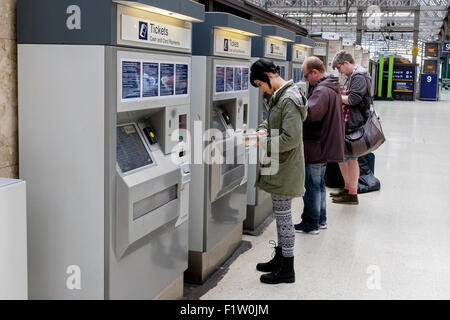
(283, 273)
(272, 264)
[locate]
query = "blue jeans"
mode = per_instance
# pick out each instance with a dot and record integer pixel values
(314, 200)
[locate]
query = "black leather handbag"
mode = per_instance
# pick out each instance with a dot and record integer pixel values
(368, 137)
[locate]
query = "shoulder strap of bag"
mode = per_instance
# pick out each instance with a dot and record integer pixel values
(372, 105)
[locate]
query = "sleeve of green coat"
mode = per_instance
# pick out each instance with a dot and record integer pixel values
(263, 125)
(291, 128)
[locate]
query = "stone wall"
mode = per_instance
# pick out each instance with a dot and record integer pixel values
(8, 90)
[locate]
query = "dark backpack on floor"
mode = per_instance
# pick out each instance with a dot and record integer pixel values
(367, 181)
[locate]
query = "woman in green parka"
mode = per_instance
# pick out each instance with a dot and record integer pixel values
(281, 134)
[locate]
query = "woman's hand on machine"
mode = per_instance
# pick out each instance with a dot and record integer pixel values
(252, 139)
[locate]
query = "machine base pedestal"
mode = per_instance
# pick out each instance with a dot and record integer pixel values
(257, 214)
(173, 291)
(203, 264)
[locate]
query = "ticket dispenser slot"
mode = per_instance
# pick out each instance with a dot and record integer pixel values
(167, 123)
(245, 116)
(229, 112)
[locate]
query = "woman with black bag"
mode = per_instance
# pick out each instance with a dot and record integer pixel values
(356, 110)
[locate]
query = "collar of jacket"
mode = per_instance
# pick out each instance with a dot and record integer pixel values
(277, 94)
(322, 79)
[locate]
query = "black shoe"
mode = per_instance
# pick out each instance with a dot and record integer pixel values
(347, 199)
(284, 273)
(272, 264)
(300, 228)
(340, 193)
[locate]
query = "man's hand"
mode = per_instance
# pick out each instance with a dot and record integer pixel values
(345, 100)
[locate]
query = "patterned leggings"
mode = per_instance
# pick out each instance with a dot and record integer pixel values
(285, 227)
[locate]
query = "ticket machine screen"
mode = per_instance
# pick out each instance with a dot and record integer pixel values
(131, 151)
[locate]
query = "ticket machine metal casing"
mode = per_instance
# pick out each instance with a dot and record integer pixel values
(273, 45)
(219, 112)
(298, 51)
(101, 96)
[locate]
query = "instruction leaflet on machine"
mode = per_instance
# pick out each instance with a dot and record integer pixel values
(131, 79)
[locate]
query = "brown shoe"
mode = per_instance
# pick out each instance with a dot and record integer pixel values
(340, 193)
(347, 199)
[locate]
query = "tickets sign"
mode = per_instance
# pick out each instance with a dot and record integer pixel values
(155, 33)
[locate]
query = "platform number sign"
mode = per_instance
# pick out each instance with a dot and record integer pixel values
(446, 47)
(429, 79)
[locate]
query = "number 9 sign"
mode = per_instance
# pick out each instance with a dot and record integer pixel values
(446, 47)
(429, 79)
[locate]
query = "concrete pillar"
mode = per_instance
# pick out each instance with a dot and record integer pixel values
(416, 30)
(359, 16)
(8, 90)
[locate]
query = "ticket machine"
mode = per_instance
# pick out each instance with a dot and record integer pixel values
(103, 101)
(298, 51)
(273, 45)
(219, 116)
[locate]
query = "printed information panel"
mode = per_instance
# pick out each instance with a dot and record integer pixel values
(283, 72)
(157, 79)
(167, 75)
(229, 76)
(131, 79)
(231, 79)
(298, 75)
(150, 80)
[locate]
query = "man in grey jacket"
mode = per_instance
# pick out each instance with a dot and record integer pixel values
(355, 109)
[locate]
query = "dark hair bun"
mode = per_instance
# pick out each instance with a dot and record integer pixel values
(259, 68)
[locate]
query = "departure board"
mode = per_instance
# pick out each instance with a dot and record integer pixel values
(131, 151)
